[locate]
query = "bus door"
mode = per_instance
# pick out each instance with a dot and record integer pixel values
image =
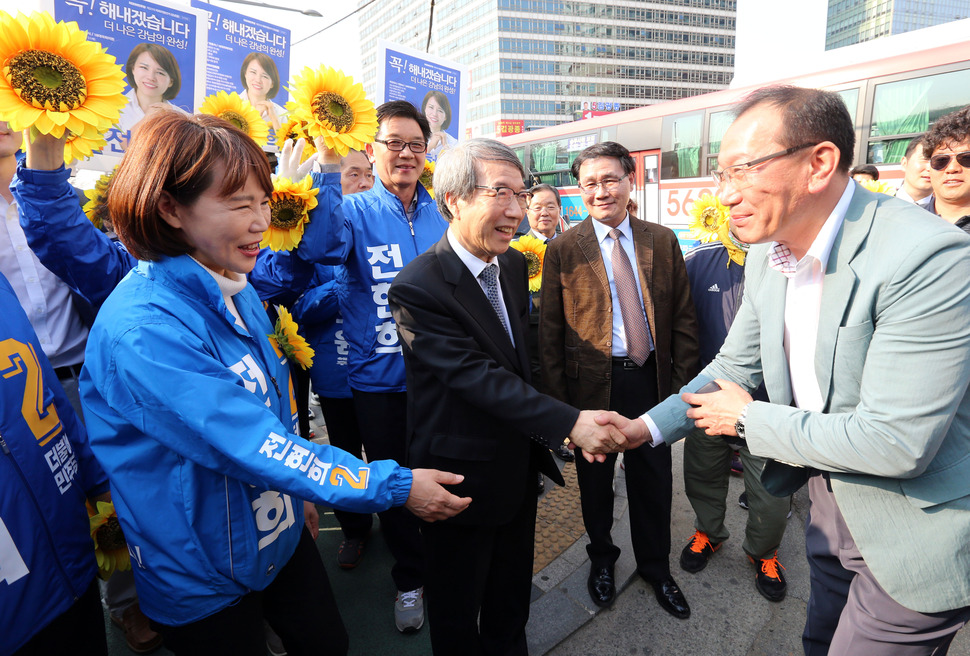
(647, 194)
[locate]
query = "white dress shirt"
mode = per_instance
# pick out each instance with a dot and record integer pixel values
(476, 266)
(46, 299)
(606, 251)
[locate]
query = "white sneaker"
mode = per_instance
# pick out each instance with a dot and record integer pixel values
(409, 610)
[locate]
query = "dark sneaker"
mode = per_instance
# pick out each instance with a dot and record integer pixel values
(350, 552)
(695, 555)
(743, 500)
(770, 581)
(737, 467)
(409, 610)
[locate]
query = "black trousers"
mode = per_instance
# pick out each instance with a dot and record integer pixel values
(479, 584)
(649, 482)
(344, 432)
(383, 429)
(298, 604)
(78, 630)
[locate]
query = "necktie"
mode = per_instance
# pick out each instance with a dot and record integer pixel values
(489, 276)
(638, 341)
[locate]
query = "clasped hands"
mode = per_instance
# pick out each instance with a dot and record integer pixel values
(598, 432)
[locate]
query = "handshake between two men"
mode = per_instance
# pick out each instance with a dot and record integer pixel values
(599, 432)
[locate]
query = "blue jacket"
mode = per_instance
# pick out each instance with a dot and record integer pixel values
(46, 472)
(318, 314)
(370, 235)
(189, 415)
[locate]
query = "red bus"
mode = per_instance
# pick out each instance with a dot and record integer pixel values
(675, 144)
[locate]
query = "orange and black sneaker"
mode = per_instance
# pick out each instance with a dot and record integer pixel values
(770, 581)
(695, 555)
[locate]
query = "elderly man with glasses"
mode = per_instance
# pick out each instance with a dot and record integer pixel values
(617, 329)
(462, 312)
(947, 147)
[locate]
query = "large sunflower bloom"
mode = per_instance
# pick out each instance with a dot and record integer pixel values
(335, 108)
(96, 207)
(110, 547)
(294, 129)
(427, 177)
(231, 107)
(879, 187)
(288, 341)
(534, 251)
(709, 214)
(289, 206)
(55, 81)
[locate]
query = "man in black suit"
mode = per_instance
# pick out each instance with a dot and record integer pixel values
(462, 313)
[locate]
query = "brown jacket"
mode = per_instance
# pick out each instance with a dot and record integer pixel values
(576, 325)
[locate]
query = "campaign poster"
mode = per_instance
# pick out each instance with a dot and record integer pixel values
(249, 57)
(157, 44)
(432, 84)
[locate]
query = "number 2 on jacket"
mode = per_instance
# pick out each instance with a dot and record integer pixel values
(19, 359)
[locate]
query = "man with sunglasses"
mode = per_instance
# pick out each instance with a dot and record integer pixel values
(617, 330)
(947, 146)
(374, 234)
(856, 316)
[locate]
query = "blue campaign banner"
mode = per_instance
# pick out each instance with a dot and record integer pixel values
(432, 84)
(250, 57)
(157, 44)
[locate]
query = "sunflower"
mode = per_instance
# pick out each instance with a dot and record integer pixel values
(535, 252)
(231, 107)
(289, 206)
(96, 209)
(427, 177)
(709, 214)
(335, 108)
(291, 130)
(77, 147)
(287, 340)
(879, 187)
(110, 547)
(54, 80)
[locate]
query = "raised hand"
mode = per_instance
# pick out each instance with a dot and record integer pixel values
(290, 166)
(429, 500)
(44, 152)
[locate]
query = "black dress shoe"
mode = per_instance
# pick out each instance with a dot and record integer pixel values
(601, 586)
(671, 598)
(563, 453)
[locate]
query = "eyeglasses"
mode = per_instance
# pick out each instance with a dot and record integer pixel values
(552, 209)
(397, 145)
(941, 161)
(737, 174)
(609, 185)
(505, 194)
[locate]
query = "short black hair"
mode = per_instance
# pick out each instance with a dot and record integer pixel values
(865, 169)
(605, 149)
(914, 143)
(953, 128)
(809, 116)
(403, 109)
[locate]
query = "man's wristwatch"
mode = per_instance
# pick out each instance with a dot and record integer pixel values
(739, 424)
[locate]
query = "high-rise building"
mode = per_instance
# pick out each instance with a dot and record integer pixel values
(544, 61)
(855, 21)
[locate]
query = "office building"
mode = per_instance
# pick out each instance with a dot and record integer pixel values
(856, 21)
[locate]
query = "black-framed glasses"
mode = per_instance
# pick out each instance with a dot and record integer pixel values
(738, 173)
(397, 145)
(609, 185)
(505, 194)
(941, 161)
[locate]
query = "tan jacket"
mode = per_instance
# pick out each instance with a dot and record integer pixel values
(576, 323)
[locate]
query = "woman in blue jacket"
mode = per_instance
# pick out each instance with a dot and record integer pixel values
(190, 410)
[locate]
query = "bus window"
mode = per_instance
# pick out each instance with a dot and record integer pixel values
(851, 99)
(720, 121)
(558, 155)
(681, 144)
(906, 108)
(520, 154)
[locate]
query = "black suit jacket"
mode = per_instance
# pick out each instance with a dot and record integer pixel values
(471, 409)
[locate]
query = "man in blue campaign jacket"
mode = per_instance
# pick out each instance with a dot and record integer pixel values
(47, 566)
(374, 234)
(170, 373)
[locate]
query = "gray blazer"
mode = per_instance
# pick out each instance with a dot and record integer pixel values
(893, 366)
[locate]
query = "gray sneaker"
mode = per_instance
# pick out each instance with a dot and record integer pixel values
(409, 610)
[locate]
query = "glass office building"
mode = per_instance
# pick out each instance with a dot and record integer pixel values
(544, 62)
(855, 21)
